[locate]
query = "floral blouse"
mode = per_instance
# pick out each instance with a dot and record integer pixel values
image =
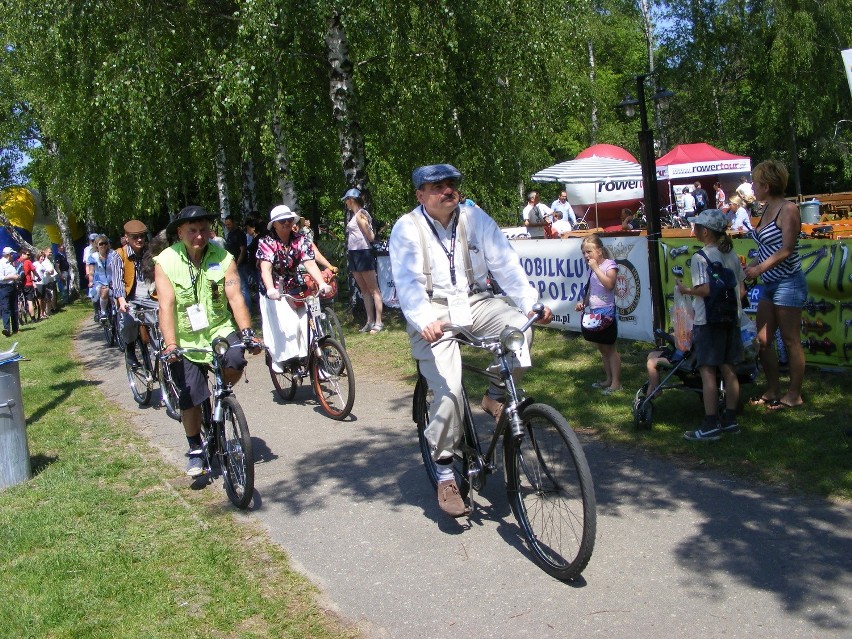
(285, 258)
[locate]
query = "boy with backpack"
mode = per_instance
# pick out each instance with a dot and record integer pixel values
(702, 200)
(717, 283)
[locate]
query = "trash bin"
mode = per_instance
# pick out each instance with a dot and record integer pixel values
(809, 211)
(14, 450)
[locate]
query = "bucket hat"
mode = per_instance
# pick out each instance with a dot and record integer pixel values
(279, 213)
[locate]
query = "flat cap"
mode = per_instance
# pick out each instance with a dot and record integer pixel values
(135, 226)
(434, 173)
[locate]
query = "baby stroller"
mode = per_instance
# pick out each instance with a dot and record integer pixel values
(683, 375)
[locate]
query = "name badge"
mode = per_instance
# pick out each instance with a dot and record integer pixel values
(197, 317)
(459, 308)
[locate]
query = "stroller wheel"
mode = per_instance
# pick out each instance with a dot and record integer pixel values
(643, 411)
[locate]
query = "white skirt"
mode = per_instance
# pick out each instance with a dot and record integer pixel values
(285, 329)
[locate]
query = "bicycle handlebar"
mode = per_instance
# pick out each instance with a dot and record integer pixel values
(483, 341)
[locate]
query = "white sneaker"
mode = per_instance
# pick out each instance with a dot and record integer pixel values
(194, 466)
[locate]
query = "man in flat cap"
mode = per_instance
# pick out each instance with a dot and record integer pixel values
(129, 285)
(463, 247)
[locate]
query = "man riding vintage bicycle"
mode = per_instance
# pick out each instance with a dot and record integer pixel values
(442, 255)
(196, 281)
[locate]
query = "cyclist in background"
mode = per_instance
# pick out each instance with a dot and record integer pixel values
(97, 269)
(129, 283)
(196, 282)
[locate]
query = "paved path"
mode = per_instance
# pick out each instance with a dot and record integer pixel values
(680, 553)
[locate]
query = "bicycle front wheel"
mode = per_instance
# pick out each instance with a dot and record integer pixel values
(140, 378)
(169, 392)
(285, 382)
(235, 453)
(551, 492)
(333, 379)
(108, 326)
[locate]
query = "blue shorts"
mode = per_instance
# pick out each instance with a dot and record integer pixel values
(716, 345)
(361, 260)
(791, 291)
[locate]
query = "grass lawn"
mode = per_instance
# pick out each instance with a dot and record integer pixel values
(805, 449)
(108, 541)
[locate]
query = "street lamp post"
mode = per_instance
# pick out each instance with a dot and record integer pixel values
(649, 183)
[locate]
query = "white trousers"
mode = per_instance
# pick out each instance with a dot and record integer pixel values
(442, 368)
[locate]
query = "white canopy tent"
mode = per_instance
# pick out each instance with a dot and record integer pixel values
(618, 179)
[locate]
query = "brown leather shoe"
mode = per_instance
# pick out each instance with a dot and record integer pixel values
(449, 499)
(492, 407)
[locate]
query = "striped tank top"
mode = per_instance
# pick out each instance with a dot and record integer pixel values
(769, 241)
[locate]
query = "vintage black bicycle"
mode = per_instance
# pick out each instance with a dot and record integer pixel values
(151, 369)
(548, 480)
(224, 429)
(327, 364)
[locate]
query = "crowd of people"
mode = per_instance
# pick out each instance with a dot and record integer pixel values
(32, 285)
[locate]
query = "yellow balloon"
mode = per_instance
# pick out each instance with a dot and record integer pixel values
(20, 205)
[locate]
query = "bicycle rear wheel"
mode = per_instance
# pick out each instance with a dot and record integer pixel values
(285, 382)
(235, 453)
(108, 326)
(421, 410)
(24, 316)
(141, 378)
(333, 379)
(551, 492)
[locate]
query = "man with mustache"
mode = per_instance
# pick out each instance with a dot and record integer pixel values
(456, 289)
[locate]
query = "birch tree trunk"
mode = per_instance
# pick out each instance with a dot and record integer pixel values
(593, 125)
(343, 105)
(71, 257)
(282, 164)
(249, 190)
(222, 182)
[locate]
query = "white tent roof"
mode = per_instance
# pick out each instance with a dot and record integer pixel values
(591, 169)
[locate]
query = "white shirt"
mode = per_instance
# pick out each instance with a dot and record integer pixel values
(7, 269)
(701, 276)
(561, 226)
(489, 251)
(745, 191)
(688, 203)
(86, 253)
(543, 212)
(741, 220)
(45, 271)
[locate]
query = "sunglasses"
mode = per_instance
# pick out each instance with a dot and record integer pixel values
(103, 243)
(136, 236)
(214, 291)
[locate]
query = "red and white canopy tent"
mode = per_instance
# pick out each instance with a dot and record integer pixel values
(689, 162)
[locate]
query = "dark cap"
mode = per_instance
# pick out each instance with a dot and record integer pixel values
(192, 213)
(434, 173)
(135, 226)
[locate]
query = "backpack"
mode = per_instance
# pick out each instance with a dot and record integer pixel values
(699, 200)
(721, 305)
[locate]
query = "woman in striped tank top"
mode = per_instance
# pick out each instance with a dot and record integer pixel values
(784, 289)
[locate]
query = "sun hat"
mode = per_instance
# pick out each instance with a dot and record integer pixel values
(134, 227)
(712, 219)
(279, 213)
(189, 214)
(350, 193)
(7, 250)
(434, 173)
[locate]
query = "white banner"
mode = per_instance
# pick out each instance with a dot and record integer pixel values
(675, 171)
(557, 270)
(847, 64)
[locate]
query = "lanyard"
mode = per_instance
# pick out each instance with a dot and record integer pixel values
(193, 275)
(451, 255)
